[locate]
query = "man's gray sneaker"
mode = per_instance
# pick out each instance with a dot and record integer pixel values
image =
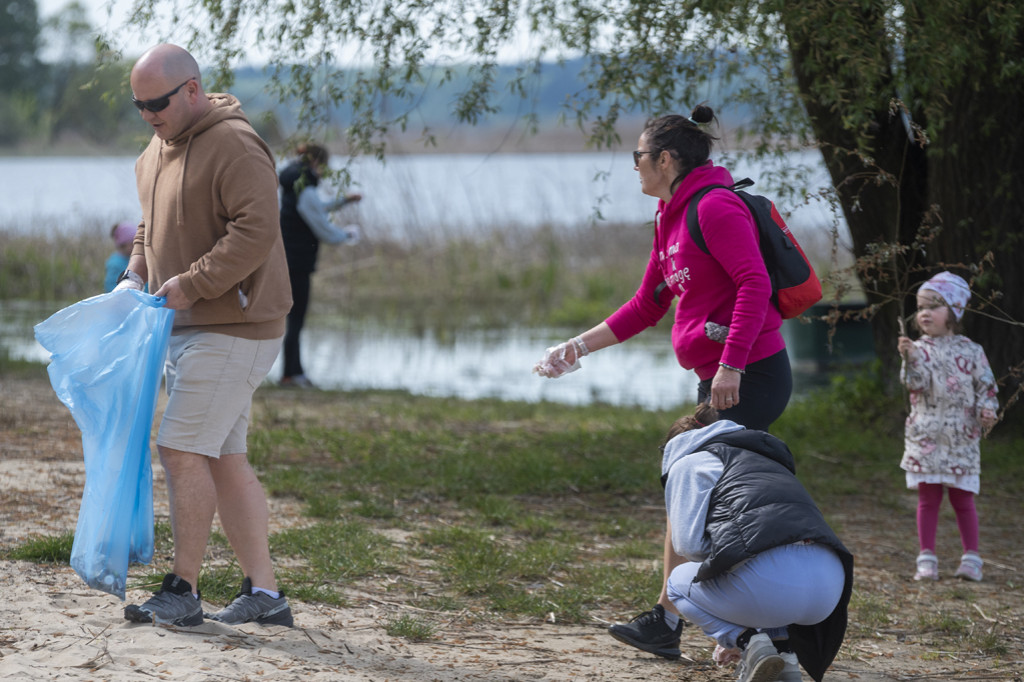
(261, 608)
(173, 604)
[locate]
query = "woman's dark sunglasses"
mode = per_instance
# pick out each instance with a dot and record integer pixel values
(637, 154)
(157, 103)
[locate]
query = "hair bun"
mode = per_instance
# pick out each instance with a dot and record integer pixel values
(703, 114)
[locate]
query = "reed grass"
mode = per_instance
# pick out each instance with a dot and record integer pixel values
(517, 276)
(55, 267)
(436, 278)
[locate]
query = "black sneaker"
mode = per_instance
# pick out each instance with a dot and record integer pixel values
(261, 608)
(648, 632)
(173, 604)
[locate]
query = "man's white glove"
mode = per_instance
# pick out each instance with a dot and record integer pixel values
(129, 280)
(561, 359)
(353, 235)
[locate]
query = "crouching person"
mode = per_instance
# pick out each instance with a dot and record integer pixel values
(766, 577)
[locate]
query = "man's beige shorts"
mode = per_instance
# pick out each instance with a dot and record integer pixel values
(210, 380)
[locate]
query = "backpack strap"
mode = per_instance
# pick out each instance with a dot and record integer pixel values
(693, 223)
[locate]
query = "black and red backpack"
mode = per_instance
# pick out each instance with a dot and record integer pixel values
(795, 286)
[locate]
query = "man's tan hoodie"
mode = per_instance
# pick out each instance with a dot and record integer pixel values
(210, 216)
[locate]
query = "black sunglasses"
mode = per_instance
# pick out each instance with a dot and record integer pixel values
(157, 103)
(637, 154)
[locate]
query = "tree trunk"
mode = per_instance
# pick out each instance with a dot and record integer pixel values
(977, 177)
(882, 199)
(970, 171)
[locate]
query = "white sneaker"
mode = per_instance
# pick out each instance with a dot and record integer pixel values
(791, 669)
(970, 567)
(927, 566)
(761, 662)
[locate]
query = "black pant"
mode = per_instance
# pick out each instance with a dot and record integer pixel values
(301, 285)
(765, 389)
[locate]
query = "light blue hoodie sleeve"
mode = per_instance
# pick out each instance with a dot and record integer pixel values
(314, 211)
(691, 477)
(686, 501)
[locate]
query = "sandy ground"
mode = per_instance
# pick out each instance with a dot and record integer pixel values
(52, 627)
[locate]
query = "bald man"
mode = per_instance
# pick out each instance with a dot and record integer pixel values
(209, 241)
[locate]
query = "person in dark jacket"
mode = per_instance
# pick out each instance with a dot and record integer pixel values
(765, 577)
(305, 222)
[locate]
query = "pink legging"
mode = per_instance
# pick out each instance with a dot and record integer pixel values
(929, 499)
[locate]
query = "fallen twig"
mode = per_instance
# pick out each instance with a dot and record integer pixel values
(978, 609)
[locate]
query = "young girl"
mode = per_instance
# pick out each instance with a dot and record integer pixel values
(952, 402)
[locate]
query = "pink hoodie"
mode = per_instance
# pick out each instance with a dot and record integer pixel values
(729, 287)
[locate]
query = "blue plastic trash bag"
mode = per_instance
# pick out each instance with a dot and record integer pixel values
(106, 360)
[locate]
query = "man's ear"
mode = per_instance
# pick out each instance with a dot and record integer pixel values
(192, 89)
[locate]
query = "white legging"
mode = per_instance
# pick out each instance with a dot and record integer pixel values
(792, 584)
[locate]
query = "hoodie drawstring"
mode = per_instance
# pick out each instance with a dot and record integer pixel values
(181, 183)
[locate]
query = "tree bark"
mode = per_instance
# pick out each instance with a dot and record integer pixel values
(970, 170)
(878, 173)
(977, 177)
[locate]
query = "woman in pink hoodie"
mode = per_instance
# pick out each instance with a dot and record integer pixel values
(726, 328)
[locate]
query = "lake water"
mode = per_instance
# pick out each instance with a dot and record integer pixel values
(410, 197)
(478, 364)
(467, 364)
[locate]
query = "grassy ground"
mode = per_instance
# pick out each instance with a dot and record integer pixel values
(547, 513)
(537, 513)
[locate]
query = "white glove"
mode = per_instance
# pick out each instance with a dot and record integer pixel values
(556, 361)
(129, 280)
(353, 235)
(723, 657)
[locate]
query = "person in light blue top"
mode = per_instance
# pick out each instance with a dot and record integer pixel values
(123, 234)
(765, 576)
(305, 223)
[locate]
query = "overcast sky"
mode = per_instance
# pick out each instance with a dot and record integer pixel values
(107, 15)
(111, 15)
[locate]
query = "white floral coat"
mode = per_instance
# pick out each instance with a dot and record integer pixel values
(950, 383)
